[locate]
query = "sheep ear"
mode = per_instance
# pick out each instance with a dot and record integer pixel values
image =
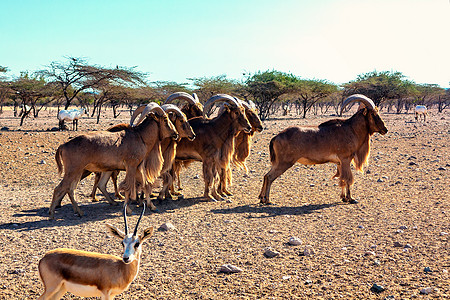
(365, 111)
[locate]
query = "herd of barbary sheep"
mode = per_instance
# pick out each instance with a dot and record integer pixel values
(159, 141)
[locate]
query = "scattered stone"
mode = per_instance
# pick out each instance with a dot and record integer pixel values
(270, 252)
(376, 262)
(380, 180)
(411, 163)
(403, 227)
(229, 269)
(408, 246)
(308, 251)
(294, 241)
(373, 246)
(369, 253)
(166, 227)
(442, 169)
(443, 233)
(399, 231)
(377, 288)
(360, 227)
(286, 277)
(426, 291)
(42, 162)
(4, 128)
(196, 177)
(427, 270)
(308, 281)
(390, 297)
(398, 244)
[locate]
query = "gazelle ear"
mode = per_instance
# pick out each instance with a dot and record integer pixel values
(117, 233)
(148, 232)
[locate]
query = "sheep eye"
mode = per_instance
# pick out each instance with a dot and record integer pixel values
(136, 245)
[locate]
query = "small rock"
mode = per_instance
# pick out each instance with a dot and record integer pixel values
(408, 246)
(403, 227)
(399, 231)
(443, 233)
(442, 169)
(426, 291)
(376, 262)
(360, 227)
(294, 241)
(380, 180)
(42, 162)
(427, 270)
(308, 251)
(270, 253)
(286, 277)
(308, 281)
(166, 227)
(228, 269)
(369, 253)
(377, 288)
(4, 128)
(196, 177)
(398, 244)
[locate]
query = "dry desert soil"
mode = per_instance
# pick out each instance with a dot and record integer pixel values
(395, 239)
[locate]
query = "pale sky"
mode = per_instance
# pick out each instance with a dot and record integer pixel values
(174, 40)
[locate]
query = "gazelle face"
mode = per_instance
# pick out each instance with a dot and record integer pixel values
(131, 248)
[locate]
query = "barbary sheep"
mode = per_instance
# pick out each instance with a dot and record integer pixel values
(104, 151)
(338, 141)
(214, 142)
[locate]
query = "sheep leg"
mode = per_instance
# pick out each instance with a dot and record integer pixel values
(94, 188)
(114, 176)
(104, 177)
(208, 177)
(273, 174)
(225, 174)
(76, 208)
(346, 180)
(167, 181)
(69, 180)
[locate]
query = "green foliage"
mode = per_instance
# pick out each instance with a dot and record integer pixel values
(379, 86)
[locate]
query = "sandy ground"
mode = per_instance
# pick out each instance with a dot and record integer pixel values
(396, 237)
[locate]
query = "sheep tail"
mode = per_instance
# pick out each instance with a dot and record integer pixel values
(58, 160)
(272, 152)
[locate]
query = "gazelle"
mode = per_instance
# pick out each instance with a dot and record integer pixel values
(90, 274)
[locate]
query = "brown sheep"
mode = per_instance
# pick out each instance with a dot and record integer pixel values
(336, 141)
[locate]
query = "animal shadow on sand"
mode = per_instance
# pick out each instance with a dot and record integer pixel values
(93, 211)
(64, 216)
(266, 211)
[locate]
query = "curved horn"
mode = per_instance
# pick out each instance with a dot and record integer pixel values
(139, 220)
(219, 97)
(138, 111)
(175, 109)
(125, 218)
(152, 106)
(358, 98)
(194, 95)
(181, 95)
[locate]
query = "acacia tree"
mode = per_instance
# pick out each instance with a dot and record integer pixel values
(77, 75)
(378, 86)
(32, 94)
(5, 90)
(266, 88)
(310, 91)
(207, 87)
